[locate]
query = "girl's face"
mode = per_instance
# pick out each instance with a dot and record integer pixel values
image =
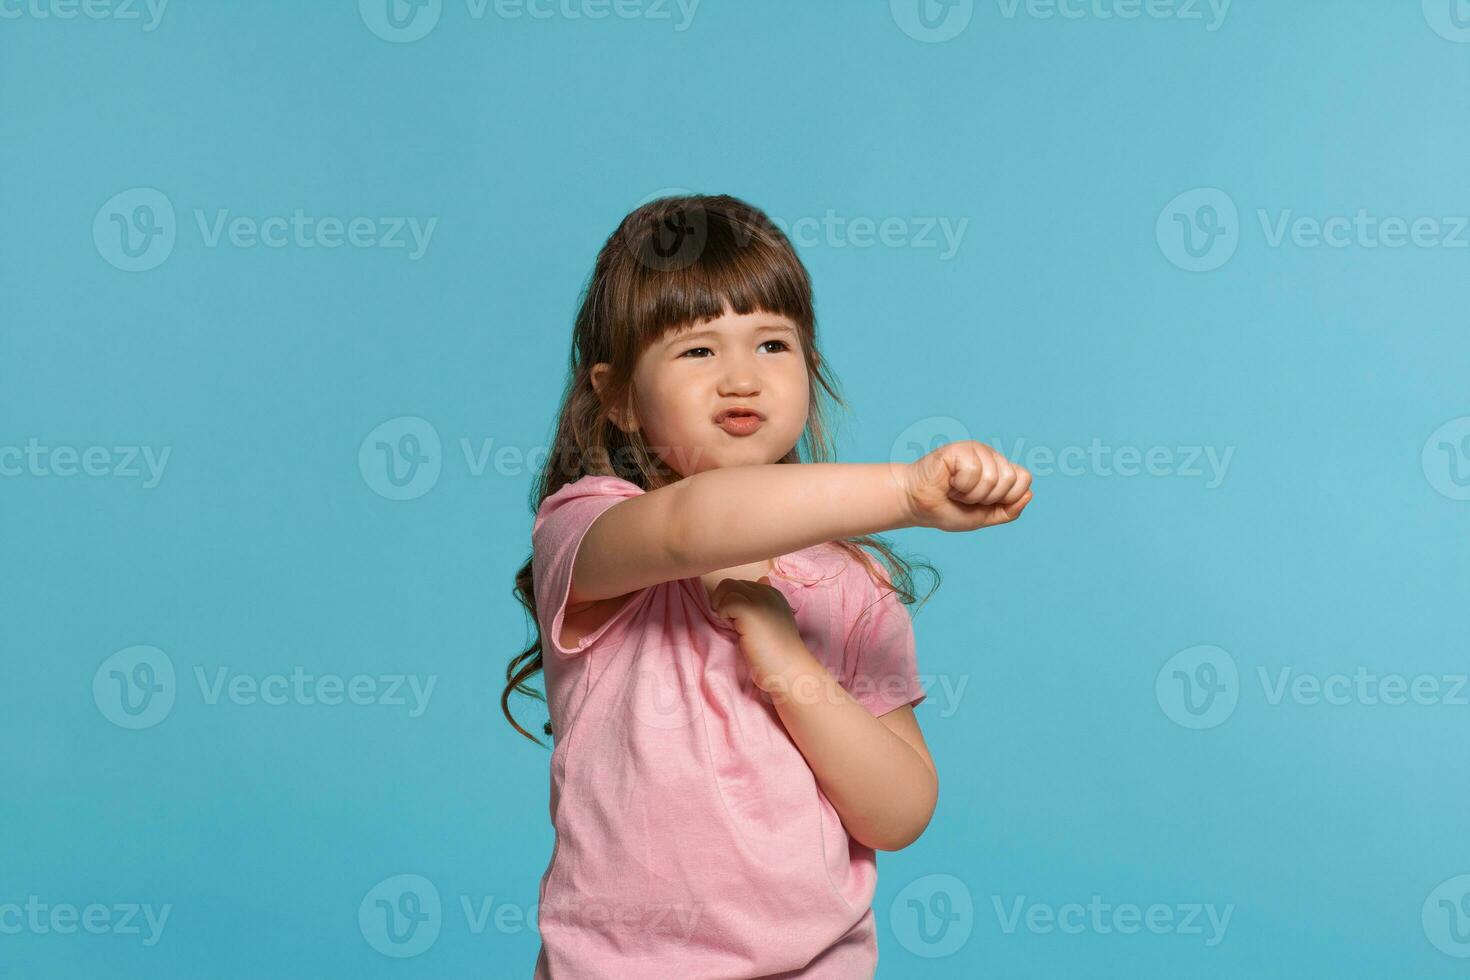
(686, 378)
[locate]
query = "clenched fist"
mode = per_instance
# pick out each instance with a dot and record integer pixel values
(964, 486)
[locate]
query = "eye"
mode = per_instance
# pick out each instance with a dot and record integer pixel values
(782, 344)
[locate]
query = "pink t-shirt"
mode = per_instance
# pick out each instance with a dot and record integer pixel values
(692, 839)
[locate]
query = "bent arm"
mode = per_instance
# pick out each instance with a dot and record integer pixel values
(731, 516)
(876, 771)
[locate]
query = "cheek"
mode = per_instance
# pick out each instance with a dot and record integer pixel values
(801, 394)
(669, 412)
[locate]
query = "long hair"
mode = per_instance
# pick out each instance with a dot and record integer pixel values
(673, 262)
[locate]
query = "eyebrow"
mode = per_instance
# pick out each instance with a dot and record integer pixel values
(681, 337)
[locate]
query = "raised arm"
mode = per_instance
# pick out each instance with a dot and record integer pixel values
(735, 515)
(732, 516)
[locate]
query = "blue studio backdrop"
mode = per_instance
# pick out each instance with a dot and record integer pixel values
(287, 301)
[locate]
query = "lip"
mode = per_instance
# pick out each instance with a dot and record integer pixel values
(737, 421)
(737, 409)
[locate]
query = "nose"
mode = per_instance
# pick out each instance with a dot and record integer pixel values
(740, 377)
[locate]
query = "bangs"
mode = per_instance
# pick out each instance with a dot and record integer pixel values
(692, 257)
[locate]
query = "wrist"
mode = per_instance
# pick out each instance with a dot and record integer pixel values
(899, 480)
(790, 666)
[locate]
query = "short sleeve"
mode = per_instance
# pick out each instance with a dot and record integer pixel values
(886, 672)
(562, 521)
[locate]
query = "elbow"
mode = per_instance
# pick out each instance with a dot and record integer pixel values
(899, 840)
(909, 829)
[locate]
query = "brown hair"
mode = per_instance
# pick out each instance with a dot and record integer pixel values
(673, 262)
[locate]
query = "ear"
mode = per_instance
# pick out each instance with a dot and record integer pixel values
(598, 376)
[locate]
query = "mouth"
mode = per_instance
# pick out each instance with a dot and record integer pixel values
(739, 421)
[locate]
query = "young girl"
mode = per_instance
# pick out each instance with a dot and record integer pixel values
(730, 678)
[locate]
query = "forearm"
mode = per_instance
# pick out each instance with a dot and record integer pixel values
(882, 788)
(740, 514)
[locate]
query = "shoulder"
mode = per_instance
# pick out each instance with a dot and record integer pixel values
(584, 487)
(821, 565)
(873, 599)
(836, 570)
